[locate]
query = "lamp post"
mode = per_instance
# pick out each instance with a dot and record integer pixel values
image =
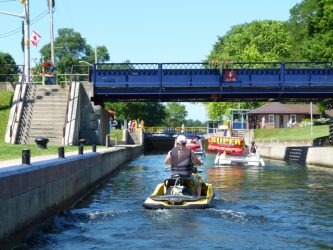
(84, 62)
(26, 36)
(311, 118)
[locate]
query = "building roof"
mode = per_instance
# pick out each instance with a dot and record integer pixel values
(280, 108)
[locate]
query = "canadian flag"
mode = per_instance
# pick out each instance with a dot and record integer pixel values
(35, 37)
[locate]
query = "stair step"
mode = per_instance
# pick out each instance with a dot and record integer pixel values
(46, 125)
(45, 134)
(53, 108)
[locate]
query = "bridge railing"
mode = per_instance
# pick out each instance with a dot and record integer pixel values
(265, 74)
(211, 82)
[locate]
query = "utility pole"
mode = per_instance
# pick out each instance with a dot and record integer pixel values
(95, 53)
(51, 7)
(26, 40)
(26, 36)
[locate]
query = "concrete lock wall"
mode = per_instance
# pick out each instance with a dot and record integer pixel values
(304, 152)
(31, 193)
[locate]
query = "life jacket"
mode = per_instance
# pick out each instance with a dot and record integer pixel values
(253, 149)
(181, 161)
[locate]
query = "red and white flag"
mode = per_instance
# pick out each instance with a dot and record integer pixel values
(35, 37)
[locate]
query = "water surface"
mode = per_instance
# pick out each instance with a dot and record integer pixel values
(278, 206)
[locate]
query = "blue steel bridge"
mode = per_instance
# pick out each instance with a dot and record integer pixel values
(203, 82)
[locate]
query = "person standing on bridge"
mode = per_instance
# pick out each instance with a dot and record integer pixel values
(182, 161)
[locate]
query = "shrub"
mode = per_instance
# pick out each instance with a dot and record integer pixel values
(316, 122)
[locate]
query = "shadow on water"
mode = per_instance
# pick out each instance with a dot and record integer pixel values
(279, 206)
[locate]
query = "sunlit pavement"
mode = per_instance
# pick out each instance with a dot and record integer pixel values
(18, 162)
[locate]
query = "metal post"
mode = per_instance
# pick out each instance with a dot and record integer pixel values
(26, 156)
(81, 150)
(50, 3)
(61, 152)
(94, 147)
(96, 54)
(26, 41)
(311, 115)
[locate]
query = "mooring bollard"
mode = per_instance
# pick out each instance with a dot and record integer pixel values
(61, 152)
(26, 156)
(80, 150)
(83, 141)
(94, 147)
(42, 142)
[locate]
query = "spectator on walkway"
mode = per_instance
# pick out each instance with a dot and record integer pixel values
(115, 124)
(51, 78)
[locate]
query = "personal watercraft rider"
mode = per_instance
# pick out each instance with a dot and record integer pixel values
(182, 161)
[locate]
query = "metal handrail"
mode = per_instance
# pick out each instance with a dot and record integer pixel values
(20, 98)
(67, 106)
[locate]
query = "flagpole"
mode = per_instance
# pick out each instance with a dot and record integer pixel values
(26, 41)
(51, 30)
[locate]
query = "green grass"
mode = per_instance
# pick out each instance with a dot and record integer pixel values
(289, 134)
(5, 102)
(118, 133)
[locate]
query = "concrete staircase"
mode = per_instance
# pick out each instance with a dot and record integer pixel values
(24, 124)
(48, 116)
(135, 137)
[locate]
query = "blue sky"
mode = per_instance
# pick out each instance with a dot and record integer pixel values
(141, 31)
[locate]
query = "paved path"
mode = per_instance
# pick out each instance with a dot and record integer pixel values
(10, 164)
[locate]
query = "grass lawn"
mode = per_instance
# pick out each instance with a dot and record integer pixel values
(288, 134)
(5, 102)
(118, 133)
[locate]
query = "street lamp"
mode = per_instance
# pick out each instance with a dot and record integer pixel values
(84, 62)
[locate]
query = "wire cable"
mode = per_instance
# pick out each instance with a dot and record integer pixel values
(17, 30)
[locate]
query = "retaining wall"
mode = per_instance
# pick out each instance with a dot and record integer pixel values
(299, 151)
(31, 193)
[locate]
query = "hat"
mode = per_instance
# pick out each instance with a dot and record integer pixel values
(181, 139)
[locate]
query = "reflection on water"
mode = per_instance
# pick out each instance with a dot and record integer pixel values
(230, 178)
(278, 206)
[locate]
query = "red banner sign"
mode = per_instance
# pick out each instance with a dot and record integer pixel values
(230, 76)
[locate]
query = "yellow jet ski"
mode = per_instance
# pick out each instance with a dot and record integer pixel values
(179, 192)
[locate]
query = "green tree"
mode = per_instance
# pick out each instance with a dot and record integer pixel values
(70, 48)
(175, 114)
(8, 67)
(311, 27)
(257, 41)
(101, 53)
(218, 109)
(194, 123)
(153, 113)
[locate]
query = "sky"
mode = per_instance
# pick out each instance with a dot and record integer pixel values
(145, 31)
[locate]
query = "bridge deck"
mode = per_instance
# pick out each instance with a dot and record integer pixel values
(204, 82)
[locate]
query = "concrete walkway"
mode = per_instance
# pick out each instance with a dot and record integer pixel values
(9, 165)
